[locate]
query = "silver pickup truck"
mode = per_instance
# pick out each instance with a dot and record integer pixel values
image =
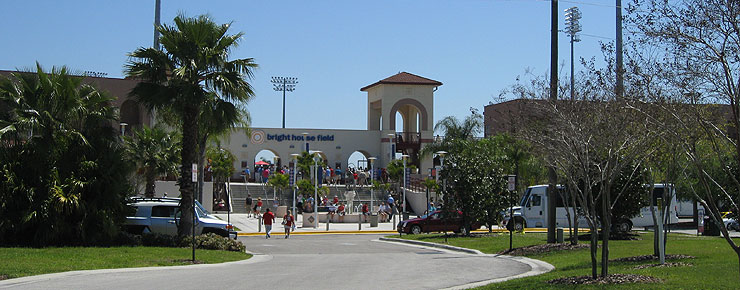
(161, 215)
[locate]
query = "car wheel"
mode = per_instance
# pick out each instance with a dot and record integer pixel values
(415, 229)
(624, 226)
(519, 225)
(464, 231)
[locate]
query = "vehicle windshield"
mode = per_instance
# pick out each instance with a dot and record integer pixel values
(200, 212)
(525, 197)
(203, 210)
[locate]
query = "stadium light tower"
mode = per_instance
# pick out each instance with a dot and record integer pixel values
(572, 28)
(284, 84)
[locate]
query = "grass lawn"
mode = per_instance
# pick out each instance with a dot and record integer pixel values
(18, 262)
(715, 265)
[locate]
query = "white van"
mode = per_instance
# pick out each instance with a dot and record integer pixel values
(532, 210)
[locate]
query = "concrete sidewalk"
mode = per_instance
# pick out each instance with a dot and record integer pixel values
(250, 226)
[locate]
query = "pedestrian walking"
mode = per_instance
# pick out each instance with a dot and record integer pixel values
(258, 207)
(288, 223)
(267, 219)
(392, 205)
(249, 205)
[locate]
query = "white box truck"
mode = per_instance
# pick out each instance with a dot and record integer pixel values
(532, 210)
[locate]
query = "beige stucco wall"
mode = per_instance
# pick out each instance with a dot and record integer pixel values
(336, 145)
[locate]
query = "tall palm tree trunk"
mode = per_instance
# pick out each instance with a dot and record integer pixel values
(189, 156)
(150, 177)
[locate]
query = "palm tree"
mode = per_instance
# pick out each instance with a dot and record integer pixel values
(155, 152)
(222, 166)
(216, 121)
(62, 177)
(192, 69)
(279, 182)
(453, 129)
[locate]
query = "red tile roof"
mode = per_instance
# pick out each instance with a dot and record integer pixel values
(404, 78)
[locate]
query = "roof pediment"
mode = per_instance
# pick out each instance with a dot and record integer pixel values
(404, 78)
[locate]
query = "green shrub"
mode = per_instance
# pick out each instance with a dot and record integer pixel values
(159, 240)
(127, 239)
(213, 241)
(208, 241)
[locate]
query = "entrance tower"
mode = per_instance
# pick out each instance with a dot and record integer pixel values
(411, 96)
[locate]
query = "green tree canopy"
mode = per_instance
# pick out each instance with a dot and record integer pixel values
(185, 76)
(155, 152)
(63, 178)
(473, 179)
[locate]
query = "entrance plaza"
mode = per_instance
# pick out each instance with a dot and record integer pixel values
(409, 95)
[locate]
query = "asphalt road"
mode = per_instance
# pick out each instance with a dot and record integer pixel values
(301, 262)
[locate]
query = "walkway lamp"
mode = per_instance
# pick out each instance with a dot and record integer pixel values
(316, 159)
(123, 128)
(295, 175)
(404, 182)
(275, 162)
(372, 181)
(305, 139)
(441, 155)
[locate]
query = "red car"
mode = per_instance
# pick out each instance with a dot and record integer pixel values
(435, 222)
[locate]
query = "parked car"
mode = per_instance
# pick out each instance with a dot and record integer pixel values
(436, 222)
(162, 215)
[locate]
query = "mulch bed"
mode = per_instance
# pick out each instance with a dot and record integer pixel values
(651, 258)
(539, 249)
(610, 279)
(3, 277)
(669, 264)
(613, 236)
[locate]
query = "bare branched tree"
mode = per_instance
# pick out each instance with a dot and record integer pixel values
(699, 52)
(590, 141)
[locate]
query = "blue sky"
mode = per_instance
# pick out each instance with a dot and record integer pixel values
(475, 47)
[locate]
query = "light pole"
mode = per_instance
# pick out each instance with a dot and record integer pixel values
(390, 147)
(316, 158)
(404, 182)
(441, 166)
(372, 181)
(123, 128)
(295, 184)
(275, 158)
(572, 27)
(284, 84)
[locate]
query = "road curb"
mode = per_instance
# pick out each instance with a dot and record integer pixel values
(14, 282)
(433, 245)
(274, 233)
(537, 267)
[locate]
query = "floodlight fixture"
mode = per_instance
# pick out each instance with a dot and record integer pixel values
(284, 84)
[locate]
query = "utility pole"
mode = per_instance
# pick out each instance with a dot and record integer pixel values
(620, 65)
(157, 11)
(552, 176)
(284, 84)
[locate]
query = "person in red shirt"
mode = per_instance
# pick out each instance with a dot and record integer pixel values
(258, 208)
(288, 222)
(365, 211)
(268, 218)
(336, 200)
(340, 212)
